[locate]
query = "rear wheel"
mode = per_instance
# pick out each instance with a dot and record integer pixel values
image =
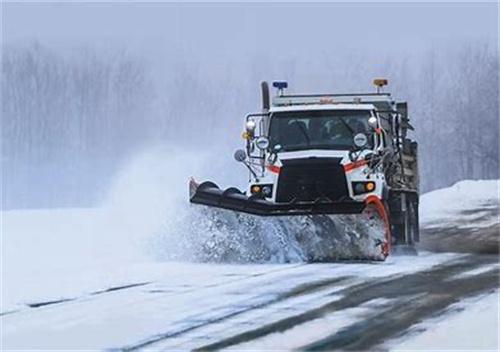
(412, 214)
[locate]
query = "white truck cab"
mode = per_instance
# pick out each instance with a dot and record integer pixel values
(321, 140)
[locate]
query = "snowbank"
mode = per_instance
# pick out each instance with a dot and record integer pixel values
(462, 218)
(472, 203)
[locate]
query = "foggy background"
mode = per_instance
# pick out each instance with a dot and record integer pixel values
(86, 86)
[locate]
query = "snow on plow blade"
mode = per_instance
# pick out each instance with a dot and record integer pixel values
(208, 193)
(314, 231)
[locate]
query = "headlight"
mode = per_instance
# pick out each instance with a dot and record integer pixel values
(267, 190)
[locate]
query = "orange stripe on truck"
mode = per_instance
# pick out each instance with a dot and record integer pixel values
(274, 169)
(354, 165)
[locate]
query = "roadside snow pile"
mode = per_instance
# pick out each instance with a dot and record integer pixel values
(468, 203)
(462, 218)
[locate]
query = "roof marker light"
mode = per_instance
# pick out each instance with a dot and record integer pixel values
(280, 85)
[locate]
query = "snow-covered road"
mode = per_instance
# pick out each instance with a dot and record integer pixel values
(311, 306)
(89, 279)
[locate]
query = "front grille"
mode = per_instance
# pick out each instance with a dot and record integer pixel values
(311, 178)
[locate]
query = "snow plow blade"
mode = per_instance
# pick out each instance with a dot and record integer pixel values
(208, 193)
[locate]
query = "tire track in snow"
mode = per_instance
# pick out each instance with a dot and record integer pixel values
(386, 324)
(435, 289)
(258, 282)
(114, 289)
(210, 312)
(299, 290)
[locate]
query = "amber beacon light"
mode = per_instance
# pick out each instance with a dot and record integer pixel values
(379, 83)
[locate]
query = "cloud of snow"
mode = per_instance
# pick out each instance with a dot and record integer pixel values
(149, 189)
(147, 212)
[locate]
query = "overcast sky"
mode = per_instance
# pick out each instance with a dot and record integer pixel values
(270, 39)
(241, 28)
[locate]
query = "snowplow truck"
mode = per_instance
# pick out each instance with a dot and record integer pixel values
(325, 157)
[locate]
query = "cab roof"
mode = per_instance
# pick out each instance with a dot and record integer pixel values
(316, 107)
(360, 101)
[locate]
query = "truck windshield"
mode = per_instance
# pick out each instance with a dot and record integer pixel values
(320, 129)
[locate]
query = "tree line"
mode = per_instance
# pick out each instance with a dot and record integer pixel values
(68, 120)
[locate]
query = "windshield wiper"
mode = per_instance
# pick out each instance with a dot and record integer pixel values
(346, 124)
(304, 132)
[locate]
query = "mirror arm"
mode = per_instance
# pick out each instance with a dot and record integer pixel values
(273, 156)
(352, 154)
(247, 164)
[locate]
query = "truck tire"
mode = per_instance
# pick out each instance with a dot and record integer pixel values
(404, 219)
(413, 220)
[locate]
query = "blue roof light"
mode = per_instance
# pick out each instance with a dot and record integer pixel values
(280, 84)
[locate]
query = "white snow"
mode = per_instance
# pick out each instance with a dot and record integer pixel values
(476, 327)
(52, 254)
(467, 202)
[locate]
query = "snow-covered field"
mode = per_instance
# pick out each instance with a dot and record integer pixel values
(105, 278)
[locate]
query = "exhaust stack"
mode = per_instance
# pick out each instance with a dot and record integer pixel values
(265, 95)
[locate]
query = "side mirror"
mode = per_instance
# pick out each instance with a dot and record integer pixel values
(360, 140)
(372, 122)
(240, 155)
(276, 148)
